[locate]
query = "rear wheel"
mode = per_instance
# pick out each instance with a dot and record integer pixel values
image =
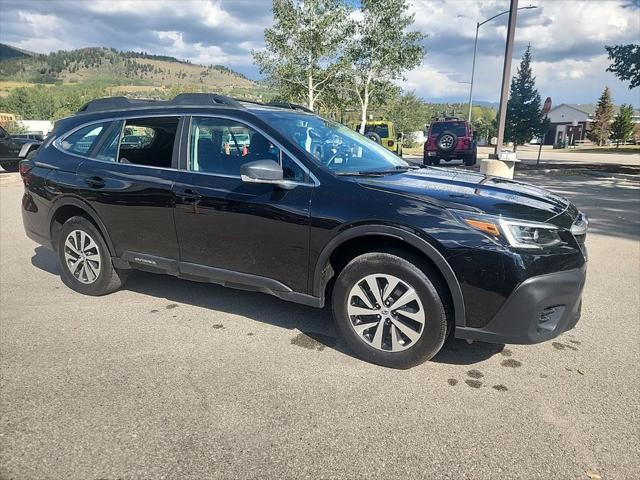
(388, 310)
(471, 159)
(11, 166)
(85, 259)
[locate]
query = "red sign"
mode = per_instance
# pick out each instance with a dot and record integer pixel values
(547, 106)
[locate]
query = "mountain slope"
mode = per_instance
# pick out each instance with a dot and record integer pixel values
(8, 52)
(114, 67)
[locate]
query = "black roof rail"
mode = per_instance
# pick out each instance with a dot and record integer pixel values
(193, 99)
(291, 106)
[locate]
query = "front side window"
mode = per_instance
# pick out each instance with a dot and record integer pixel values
(221, 146)
(82, 141)
(332, 145)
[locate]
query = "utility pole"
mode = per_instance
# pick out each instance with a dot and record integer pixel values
(506, 76)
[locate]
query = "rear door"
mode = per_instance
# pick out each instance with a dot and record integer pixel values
(226, 223)
(130, 188)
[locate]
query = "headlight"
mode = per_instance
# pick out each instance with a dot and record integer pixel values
(517, 233)
(529, 234)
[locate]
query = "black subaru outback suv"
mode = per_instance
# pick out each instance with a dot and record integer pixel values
(276, 199)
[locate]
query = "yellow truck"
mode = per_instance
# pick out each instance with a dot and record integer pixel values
(384, 133)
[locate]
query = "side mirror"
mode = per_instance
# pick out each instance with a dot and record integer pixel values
(399, 136)
(264, 171)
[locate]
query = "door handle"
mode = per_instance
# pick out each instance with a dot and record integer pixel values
(189, 195)
(95, 182)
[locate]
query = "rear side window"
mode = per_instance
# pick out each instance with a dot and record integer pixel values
(82, 141)
(148, 141)
(381, 130)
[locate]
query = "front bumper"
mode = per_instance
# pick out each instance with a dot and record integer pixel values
(539, 309)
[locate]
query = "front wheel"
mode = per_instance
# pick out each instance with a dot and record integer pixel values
(85, 260)
(388, 310)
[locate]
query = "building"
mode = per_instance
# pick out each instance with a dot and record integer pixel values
(7, 119)
(42, 127)
(570, 123)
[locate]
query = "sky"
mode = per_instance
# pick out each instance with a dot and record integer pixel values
(567, 38)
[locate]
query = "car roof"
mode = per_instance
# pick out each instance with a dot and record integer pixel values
(199, 100)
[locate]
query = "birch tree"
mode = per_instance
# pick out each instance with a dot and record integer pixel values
(303, 47)
(381, 49)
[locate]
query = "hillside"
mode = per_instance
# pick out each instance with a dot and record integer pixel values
(110, 66)
(7, 52)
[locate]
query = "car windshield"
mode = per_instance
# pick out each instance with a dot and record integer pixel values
(456, 127)
(333, 145)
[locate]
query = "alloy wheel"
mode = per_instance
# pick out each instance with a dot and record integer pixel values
(82, 256)
(386, 312)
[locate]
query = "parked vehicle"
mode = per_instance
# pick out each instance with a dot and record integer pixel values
(384, 133)
(30, 136)
(308, 211)
(448, 139)
(13, 149)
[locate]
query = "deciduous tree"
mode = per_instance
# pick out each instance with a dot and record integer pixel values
(381, 49)
(625, 63)
(303, 47)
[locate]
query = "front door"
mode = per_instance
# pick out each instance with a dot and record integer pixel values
(225, 223)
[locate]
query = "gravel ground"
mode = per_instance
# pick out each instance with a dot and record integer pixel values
(179, 380)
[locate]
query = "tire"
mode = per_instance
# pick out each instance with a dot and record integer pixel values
(373, 136)
(471, 159)
(394, 348)
(446, 141)
(99, 277)
(11, 166)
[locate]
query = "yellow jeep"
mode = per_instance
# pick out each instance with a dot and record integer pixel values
(384, 133)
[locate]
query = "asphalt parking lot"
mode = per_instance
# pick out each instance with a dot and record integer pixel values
(173, 379)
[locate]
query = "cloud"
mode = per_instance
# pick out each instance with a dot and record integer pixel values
(567, 38)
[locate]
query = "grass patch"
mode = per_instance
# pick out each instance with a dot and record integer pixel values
(623, 149)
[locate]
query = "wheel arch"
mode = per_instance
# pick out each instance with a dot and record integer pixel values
(324, 270)
(67, 207)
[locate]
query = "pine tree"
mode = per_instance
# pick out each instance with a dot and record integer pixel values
(525, 119)
(622, 126)
(601, 125)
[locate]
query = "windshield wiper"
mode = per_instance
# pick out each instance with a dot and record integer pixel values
(396, 169)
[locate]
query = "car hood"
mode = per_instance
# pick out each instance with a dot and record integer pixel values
(454, 188)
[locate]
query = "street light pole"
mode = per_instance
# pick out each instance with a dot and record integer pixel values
(475, 51)
(473, 70)
(506, 75)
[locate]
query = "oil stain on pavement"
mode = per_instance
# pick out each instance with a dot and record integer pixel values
(511, 363)
(313, 341)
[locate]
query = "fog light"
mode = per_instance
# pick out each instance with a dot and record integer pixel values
(549, 318)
